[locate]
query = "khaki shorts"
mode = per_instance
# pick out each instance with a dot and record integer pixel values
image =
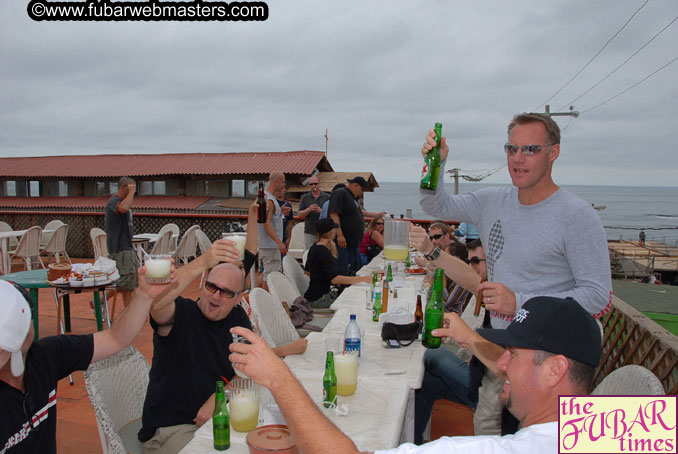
(171, 439)
(127, 263)
(271, 259)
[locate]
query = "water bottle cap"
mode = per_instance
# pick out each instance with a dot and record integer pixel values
(352, 316)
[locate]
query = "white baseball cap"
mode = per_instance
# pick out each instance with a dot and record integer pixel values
(15, 321)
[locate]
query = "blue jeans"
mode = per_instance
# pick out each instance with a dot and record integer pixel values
(348, 256)
(446, 376)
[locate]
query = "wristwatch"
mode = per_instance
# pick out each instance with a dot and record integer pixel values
(433, 255)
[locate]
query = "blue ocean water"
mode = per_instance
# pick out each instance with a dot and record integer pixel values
(627, 209)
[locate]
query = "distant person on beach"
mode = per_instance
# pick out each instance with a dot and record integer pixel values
(271, 246)
(310, 207)
(641, 238)
(119, 232)
(31, 369)
(538, 357)
(539, 239)
(346, 211)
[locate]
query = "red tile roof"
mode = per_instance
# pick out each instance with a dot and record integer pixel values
(159, 202)
(107, 166)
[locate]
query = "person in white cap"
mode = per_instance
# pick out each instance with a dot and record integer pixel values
(30, 370)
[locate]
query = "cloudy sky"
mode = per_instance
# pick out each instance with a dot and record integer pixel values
(376, 74)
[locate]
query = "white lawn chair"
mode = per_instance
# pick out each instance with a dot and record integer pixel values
(296, 248)
(28, 247)
(164, 244)
(281, 288)
(117, 388)
(175, 234)
(630, 380)
(99, 246)
(57, 243)
(273, 320)
(51, 225)
(187, 246)
(296, 274)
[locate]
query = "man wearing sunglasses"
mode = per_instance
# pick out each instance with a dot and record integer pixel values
(539, 239)
(310, 207)
(439, 233)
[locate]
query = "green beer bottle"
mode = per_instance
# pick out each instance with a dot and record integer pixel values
(407, 259)
(221, 424)
(435, 312)
(376, 309)
(374, 285)
(429, 175)
(329, 382)
(389, 274)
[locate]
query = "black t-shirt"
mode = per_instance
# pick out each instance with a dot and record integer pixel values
(118, 227)
(312, 218)
(350, 215)
(323, 268)
(186, 365)
(48, 360)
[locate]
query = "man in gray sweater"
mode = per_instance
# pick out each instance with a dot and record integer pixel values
(539, 239)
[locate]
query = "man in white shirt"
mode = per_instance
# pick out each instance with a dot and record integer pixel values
(537, 356)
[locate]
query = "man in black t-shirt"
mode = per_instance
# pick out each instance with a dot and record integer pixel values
(119, 231)
(346, 211)
(30, 370)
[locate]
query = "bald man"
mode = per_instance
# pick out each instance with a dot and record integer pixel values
(271, 246)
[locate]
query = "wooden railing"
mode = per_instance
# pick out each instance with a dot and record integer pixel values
(632, 338)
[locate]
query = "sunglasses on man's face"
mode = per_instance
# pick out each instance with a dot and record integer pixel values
(313, 184)
(224, 292)
(474, 260)
(436, 237)
(378, 223)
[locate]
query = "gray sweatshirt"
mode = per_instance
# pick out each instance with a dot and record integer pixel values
(556, 247)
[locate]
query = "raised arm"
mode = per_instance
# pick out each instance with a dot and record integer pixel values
(123, 207)
(128, 324)
(252, 241)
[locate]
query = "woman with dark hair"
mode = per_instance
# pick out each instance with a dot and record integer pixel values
(321, 265)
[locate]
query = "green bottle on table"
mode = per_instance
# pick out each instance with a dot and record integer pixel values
(429, 175)
(389, 274)
(376, 309)
(374, 285)
(329, 382)
(221, 424)
(435, 312)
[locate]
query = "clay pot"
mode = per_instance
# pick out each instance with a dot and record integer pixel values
(57, 270)
(272, 439)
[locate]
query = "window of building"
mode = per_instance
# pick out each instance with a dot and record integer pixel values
(238, 188)
(34, 189)
(9, 188)
(216, 188)
(253, 187)
(55, 188)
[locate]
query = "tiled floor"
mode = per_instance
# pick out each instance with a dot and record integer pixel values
(76, 427)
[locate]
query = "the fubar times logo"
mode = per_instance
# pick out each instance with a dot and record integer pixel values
(617, 424)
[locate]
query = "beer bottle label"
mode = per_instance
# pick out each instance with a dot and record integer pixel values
(424, 172)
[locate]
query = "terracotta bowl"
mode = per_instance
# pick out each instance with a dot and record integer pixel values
(57, 270)
(272, 439)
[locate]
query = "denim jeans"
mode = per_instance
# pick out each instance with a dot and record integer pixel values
(348, 256)
(446, 376)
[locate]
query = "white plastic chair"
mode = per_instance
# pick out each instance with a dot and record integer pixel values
(99, 245)
(117, 389)
(296, 274)
(204, 244)
(273, 320)
(175, 234)
(28, 247)
(187, 246)
(304, 257)
(57, 243)
(51, 225)
(281, 288)
(5, 227)
(630, 380)
(296, 248)
(164, 244)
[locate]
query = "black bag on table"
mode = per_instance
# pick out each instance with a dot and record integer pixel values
(403, 334)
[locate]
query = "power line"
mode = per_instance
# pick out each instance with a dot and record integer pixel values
(594, 57)
(622, 64)
(629, 88)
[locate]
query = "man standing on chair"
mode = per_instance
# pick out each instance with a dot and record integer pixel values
(119, 231)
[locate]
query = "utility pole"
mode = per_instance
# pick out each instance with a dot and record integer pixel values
(455, 174)
(571, 113)
(326, 138)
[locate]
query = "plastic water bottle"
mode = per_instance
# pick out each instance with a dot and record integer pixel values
(352, 337)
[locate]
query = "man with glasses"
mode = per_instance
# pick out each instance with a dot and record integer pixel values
(310, 207)
(30, 370)
(439, 233)
(539, 239)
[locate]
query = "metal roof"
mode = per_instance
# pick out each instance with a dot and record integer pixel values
(152, 202)
(135, 165)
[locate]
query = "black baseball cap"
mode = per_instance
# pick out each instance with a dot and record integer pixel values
(554, 325)
(325, 225)
(359, 180)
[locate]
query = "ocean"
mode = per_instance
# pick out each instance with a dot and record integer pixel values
(627, 209)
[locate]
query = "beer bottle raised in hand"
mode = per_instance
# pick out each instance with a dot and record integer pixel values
(435, 312)
(431, 170)
(329, 382)
(221, 424)
(261, 201)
